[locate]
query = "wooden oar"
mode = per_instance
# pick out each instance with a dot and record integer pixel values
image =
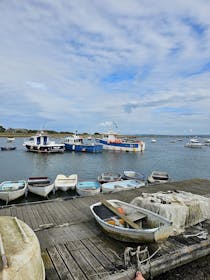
(114, 210)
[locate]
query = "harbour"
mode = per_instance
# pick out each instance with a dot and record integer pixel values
(74, 247)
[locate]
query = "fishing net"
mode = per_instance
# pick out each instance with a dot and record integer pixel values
(184, 209)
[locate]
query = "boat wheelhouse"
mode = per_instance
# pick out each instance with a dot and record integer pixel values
(40, 143)
(111, 142)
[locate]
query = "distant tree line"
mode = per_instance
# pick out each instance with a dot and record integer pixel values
(34, 131)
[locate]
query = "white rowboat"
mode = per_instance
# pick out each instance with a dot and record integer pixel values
(88, 188)
(40, 185)
(65, 183)
(130, 223)
(11, 190)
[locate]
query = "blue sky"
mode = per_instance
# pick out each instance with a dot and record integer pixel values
(82, 65)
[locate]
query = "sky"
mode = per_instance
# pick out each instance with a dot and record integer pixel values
(138, 67)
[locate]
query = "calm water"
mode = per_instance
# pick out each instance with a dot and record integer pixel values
(178, 161)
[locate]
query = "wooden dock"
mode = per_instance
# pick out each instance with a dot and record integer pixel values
(73, 246)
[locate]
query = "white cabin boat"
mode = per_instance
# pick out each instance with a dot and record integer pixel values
(130, 223)
(65, 183)
(194, 143)
(121, 185)
(207, 142)
(40, 185)
(111, 142)
(88, 188)
(40, 143)
(20, 251)
(11, 190)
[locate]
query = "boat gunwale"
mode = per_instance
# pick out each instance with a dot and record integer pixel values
(167, 222)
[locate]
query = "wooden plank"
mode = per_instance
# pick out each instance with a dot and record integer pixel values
(104, 260)
(84, 265)
(51, 273)
(72, 266)
(60, 266)
(114, 210)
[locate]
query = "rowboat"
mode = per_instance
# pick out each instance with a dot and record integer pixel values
(130, 223)
(88, 188)
(40, 185)
(133, 175)
(65, 183)
(121, 185)
(8, 148)
(11, 190)
(20, 251)
(106, 177)
(158, 177)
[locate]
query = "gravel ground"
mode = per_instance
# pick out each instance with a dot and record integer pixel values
(198, 270)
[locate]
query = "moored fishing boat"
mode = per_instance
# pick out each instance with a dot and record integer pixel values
(88, 188)
(11, 190)
(130, 223)
(65, 183)
(77, 144)
(158, 177)
(110, 142)
(40, 185)
(130, 174)
(194, 143)
(40, 143)
(121, 185)
(106, 177)
(20, 251)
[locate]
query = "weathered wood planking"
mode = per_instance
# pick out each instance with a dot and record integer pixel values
(72, 248)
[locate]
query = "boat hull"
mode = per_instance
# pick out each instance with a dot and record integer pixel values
(135, 235)
(121, 185)
(88, 188)
(84, 148)
(45, 148)
(9, 195)
(65, 183)
(23, 252)
(41, 190)
(126, 147)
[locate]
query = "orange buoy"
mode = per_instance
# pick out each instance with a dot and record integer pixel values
(120, 210)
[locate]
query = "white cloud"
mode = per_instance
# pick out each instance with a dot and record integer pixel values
(69, 63)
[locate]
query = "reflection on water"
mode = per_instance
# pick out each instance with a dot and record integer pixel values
(174, 158)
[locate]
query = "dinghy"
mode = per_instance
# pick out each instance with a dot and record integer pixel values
(106, 177)
(121, 185)
(40, 185)
(8, 148)
(11, 190)
(130, 223)
(65, 183)
(158, 177)
(20, 251)
(127, 175)
(88, 188)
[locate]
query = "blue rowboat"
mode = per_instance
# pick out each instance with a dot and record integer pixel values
(88, 188)
(121, 185)
(11, 190)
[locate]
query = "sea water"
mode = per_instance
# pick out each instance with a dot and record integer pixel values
(180, 162)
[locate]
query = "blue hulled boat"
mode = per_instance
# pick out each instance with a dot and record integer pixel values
(77, 144)
(110, 142)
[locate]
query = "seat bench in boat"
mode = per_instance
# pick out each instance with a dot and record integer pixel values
(128, 219)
